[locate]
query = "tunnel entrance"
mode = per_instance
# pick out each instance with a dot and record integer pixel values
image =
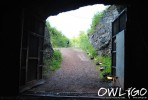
(31, 70)
(12, 28)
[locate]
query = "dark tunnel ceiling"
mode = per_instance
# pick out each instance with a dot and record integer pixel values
(46, 8)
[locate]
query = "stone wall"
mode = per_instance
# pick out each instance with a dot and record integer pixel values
(101, 38)
(48, 50)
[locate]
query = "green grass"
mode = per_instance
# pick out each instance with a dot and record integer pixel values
(56, 60)
(52, 64)
(106, 61)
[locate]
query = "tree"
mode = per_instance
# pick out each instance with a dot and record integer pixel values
(57, 38)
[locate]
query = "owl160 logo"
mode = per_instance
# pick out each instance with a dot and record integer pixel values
(117, 92)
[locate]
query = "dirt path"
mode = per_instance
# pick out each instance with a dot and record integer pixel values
(77, 74)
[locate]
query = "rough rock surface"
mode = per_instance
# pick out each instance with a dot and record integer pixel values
(48, 50)
(101, 38)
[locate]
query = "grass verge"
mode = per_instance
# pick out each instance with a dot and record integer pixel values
(53, 63)
(106, 62)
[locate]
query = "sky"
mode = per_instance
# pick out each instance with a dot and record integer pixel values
(70, 23)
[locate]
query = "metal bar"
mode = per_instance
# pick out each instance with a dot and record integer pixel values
(27, 58)
(38, 59)
(120, 14)
(35, 34)
(113, 51)
(22, 25)
(33, 58)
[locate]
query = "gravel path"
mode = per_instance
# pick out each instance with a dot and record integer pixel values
(77, 74)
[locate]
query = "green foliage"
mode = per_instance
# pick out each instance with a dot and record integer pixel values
(95, 21)
(74, 42)
(83, 42)
(57, 38)
(52, 64)
(106, 61)
(56, 60)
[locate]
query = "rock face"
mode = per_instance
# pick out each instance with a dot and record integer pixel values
(101, 38)
(48, 50)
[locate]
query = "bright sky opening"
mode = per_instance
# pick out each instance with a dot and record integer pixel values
(70, 23)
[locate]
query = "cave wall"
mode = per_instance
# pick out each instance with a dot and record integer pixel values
(48, 50)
